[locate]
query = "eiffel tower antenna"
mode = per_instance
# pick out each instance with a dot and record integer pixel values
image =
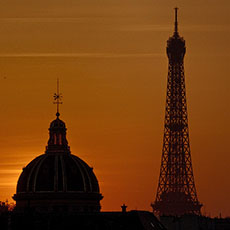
(176, 21)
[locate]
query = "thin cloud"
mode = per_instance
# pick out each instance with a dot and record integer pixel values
(206, 28)
(12, 164)
(145, 28)
(9, 184)
(10, 171)
(165, 28)
(130, 27)
(82, 55)
(38, 20)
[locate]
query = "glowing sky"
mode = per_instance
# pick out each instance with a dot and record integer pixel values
(111, 60)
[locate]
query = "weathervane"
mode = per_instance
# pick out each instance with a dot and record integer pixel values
(57, 98)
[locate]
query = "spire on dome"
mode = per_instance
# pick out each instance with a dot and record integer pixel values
(57, 131)
(57, 98)
(176, 22)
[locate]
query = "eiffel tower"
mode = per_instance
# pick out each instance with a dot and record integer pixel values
(176, 192)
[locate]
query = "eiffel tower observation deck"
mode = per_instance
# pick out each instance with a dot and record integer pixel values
(176, 192)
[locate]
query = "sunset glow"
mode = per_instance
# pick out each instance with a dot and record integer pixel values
(110, 57)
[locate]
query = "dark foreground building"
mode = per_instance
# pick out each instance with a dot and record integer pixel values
(195, 222)
(133, 220)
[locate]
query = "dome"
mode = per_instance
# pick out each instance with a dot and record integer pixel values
(58, 180)
(57, 173)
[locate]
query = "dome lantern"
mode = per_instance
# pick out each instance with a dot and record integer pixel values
(57, 137)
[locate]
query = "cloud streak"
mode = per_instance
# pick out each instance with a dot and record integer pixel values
(127, 27)
(166, 28)
(81, 55)
(7, 184)
(46, 19)
(10, 171)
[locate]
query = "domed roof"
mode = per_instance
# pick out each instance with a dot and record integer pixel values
(57, 172)
(59, 176)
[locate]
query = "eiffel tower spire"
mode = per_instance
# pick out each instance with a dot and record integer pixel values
(176, 22)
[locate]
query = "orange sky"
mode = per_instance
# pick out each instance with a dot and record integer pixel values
(111, 60)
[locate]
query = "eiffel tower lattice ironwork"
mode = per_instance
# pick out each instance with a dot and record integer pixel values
(176, 192)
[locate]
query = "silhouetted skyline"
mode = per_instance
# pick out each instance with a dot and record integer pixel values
(110, 57)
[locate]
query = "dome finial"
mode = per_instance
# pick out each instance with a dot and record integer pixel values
(176, 22)
(57, 98)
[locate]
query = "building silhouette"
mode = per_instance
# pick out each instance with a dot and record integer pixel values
(176, 192)
(58, 180)
(58, 190)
